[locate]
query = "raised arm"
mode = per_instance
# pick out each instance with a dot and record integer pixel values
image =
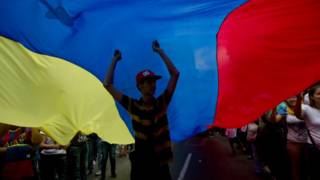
(174, 73)
(291, 119)
(108, 81)
(298, 108)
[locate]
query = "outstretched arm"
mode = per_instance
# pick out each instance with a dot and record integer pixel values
(108, 81)
(174, 73)
(44, 145)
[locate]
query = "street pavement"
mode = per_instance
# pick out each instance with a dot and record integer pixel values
(199, 158)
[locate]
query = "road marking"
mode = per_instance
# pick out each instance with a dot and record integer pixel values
(185, 167)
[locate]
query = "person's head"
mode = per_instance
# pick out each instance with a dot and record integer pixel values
(291, 102)
(146, 82)
(314, 96)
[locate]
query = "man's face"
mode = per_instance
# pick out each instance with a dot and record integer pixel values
(148, 87)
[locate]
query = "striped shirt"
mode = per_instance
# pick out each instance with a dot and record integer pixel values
(151, 126)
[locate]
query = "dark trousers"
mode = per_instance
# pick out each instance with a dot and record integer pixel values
(52, 166)
(76, 156)
(90, 154)
(145, 167)
(313, 160)
(275, 153)
(108, 150)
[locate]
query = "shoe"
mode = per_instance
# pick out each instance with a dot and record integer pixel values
(98, 173)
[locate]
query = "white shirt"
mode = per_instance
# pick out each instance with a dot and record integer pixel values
(48, 140)
(297, 131)
(312, 119)
(252, 132)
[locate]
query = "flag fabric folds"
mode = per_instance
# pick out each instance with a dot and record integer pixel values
(268, 51)
(43, 91)
(265, 51)
(86, 33)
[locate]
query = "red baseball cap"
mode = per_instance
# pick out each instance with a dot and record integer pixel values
(146, 74)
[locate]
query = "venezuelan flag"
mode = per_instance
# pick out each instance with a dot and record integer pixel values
(234, 57)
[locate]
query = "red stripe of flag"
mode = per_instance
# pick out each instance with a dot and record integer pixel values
(268, 50)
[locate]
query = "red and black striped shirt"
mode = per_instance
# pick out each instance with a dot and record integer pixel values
(151, 126)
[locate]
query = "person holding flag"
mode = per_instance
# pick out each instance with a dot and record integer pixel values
(149, 117)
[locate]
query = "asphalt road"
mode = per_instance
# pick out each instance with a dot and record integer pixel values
(199, 158)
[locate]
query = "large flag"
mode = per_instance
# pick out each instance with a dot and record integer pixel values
(54, 52)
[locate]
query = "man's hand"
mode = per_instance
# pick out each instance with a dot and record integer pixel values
(117, 55)
(156, 46)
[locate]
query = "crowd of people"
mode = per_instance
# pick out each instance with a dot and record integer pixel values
(30, 154)
(285, 141)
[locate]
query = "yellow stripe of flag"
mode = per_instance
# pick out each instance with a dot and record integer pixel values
(42, 91)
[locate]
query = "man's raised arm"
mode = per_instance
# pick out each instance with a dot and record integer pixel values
(174, 73)
(108, 81)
